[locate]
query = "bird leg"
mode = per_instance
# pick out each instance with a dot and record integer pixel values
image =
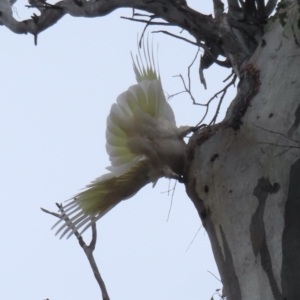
(168, 173)
(181, 179)
(195, 128)
(185, 130)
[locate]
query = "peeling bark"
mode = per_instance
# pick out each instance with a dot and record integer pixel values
(246, 171)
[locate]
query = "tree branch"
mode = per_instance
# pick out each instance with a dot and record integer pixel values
(187, 89)
(148, 22)
(88, 249)
(223, 91)
(224, 63)
(227, 35)
(233, 5)
(197, 24)
(218, 8)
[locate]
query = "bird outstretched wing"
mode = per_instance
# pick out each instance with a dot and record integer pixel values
(139, 116)
(134, 116)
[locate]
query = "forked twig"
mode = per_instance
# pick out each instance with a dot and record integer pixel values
(172, 196)
(171, 204)
(215, 60)
(88, 249)
(229, 76)
(214, 275)
(223, 91)
(187, 87)
(148, 22)
(193, 239)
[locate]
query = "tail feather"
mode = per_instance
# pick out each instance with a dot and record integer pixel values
(101, 196)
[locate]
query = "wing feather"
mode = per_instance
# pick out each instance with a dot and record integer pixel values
(102, 195)
(132, 126)
(136, 111)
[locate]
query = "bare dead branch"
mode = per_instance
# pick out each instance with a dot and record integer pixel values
(88, 250)
(51, 213)
(193, 239)
(223, 91)
(144, 30)
(198, 25)
(171, 203)
(227, 78)
(41, 5)
(148, 22)
(178, 37)
(214, 275)
(187, 87)
(89, 254)
(213, 121)
(201, 74)
(218, 8)
(93, 242)
(224, 63)
(233, 5)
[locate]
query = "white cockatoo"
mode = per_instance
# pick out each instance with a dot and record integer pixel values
(143, 144)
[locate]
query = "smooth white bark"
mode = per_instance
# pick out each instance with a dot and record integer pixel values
(242, 174)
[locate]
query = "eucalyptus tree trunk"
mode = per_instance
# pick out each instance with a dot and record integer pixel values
(243, 174)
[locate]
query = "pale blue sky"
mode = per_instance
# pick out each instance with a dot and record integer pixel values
(54, 101)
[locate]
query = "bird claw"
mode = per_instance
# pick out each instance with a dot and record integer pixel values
(181, 179)
(194, 129)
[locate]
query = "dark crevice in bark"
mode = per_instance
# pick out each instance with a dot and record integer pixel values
(290, 274)
(266, 263)
(258, 234)
(198, 139)
(296, 122)
(225, 264)
(233, 290)
(191, 191)
(248, 87)
(214, 157)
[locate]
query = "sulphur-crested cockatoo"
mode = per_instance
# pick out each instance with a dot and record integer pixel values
(143, 144)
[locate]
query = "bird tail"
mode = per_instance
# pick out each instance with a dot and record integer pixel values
(100, 196)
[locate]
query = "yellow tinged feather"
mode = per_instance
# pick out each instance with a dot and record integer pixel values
(102, 194)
